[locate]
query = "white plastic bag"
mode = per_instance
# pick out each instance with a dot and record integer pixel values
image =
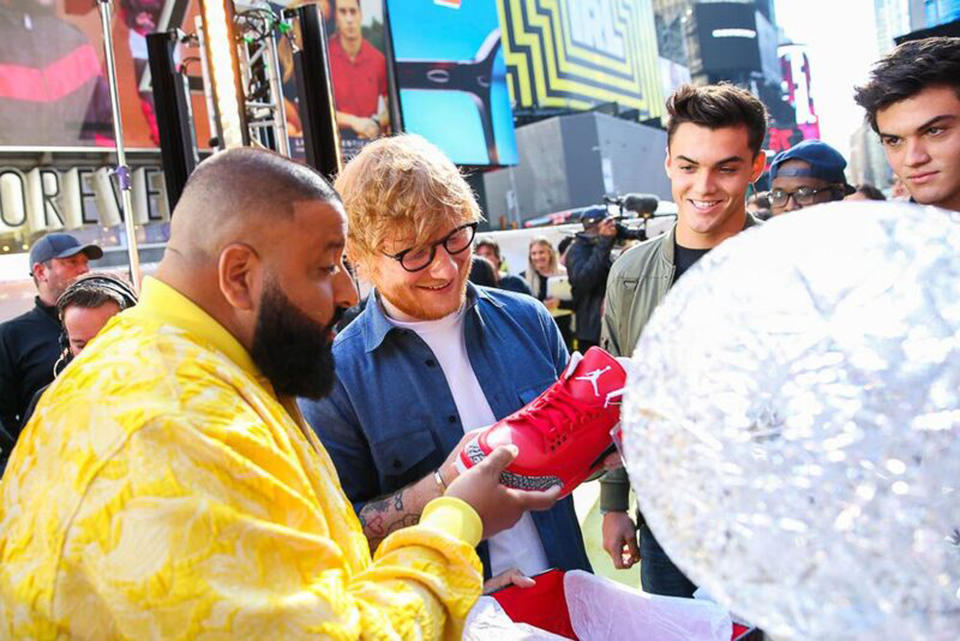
(488, 622)
(602, 609)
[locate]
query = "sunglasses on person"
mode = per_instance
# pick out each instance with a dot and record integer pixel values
(417, 258)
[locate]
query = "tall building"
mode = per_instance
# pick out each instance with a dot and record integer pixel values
(670, 17)
(931, 13)
(735, 41)
(893, 19)
(901, 20)
(900, 17)
(768, 9)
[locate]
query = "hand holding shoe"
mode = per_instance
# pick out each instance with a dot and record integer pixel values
(564, 434)
(498, 506)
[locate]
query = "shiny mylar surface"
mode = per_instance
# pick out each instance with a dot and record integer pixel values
(792, 423)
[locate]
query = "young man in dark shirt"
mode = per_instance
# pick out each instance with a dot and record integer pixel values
(714, 134)
(29, 343)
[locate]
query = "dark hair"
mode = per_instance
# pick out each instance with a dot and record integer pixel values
(907, 70)
(334, 3)
(563, 244)
(482, 272)
(492, 244)
(716, 107)
(93, 290)
(870, 191)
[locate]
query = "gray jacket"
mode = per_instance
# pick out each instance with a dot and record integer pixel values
(638, 281)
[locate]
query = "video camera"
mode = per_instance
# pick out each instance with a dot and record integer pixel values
(642, 205)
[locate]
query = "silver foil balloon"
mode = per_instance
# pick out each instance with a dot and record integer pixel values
(792, 423)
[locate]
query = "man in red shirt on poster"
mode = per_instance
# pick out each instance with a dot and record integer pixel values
(359, 77)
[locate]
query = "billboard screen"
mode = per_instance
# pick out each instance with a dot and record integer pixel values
(727, 35)
(358, 69)
(358, 66)
(576, 54)
(53, 89)
(451, 78)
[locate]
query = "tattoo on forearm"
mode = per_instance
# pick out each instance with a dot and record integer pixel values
(382, 516)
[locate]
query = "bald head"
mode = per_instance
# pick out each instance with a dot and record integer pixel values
(240, 195)
(256, 237)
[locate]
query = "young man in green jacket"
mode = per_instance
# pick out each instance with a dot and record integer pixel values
(714, 136)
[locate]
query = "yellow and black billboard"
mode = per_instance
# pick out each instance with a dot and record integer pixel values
(575, 54)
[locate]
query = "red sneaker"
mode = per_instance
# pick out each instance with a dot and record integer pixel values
(564, 434)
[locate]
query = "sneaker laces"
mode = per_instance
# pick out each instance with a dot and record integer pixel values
(557, 409)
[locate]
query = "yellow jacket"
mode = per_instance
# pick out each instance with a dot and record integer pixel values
(162, 491)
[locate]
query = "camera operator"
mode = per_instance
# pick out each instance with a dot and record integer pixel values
(588, 264)
(593, 251)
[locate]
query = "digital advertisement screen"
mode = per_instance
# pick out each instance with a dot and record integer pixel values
(577, 54)
(53, 81)
(358, 66)
(451, 78)
(728, 36)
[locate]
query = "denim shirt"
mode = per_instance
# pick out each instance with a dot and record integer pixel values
(391, 419)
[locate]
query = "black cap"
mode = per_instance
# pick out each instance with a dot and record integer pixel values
(60, 246)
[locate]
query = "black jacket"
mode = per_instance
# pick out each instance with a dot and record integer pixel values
(29, 347)
(588, 263)
(514, 284)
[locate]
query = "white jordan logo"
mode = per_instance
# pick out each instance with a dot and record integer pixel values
(593, 377)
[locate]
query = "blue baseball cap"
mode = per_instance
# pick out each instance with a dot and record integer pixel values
(593, 214)
(825, 162)
(61, 246)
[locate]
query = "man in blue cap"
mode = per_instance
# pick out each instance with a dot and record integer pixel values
(588, 264)
(807, 174)
(29, 344)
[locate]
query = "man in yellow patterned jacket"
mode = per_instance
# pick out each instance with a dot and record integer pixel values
(167, 487)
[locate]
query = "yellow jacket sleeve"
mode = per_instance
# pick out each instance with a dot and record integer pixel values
(217, 537)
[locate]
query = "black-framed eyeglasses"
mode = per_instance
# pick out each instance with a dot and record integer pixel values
(803, 196)
(417, 258)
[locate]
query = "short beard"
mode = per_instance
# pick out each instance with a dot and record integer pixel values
(408, 303)
(291, 350)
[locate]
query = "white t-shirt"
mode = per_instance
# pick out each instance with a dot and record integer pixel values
(520, 546)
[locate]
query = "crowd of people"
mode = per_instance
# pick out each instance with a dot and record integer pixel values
(213, 459)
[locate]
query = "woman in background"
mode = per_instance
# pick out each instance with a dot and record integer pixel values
(543, 263)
